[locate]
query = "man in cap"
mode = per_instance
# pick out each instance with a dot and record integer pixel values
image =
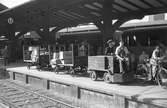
(111, 47)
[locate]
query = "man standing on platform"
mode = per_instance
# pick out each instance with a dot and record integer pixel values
(111, 48)
(122, 55)
(157, 56)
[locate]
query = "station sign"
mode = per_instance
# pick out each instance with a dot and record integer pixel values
(10, 20)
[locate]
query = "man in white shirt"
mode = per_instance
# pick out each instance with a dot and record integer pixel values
(55, 61)
(34, 54)
(156, 55)
(122, 53)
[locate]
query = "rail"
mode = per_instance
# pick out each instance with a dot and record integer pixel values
(14, 96)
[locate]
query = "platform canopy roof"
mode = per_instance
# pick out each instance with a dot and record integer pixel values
(38, 14)
(2, 7)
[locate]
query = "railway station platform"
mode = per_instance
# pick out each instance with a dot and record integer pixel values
(96, 94)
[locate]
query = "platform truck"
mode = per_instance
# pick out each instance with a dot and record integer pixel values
(107, 68)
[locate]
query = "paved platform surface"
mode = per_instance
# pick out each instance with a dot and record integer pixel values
(146, 93)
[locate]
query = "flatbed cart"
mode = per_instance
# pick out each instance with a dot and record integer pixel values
(70, 63)
(61, 61)
(107, 68)
(31, 60)
(30, 63)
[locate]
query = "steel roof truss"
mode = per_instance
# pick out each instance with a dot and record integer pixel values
(133, 4)
(147, 3)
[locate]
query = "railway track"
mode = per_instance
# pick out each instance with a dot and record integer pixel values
(13, 95)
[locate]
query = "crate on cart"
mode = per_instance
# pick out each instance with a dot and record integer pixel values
(66, 61)
(66, 57)
(77, 64)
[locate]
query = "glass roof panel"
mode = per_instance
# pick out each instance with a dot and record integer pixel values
(13, 3)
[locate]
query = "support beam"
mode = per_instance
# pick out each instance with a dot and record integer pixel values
(20, 34)
(145, 2)
(133, 4)
(99, 24)
(48, 36)
(44, 34)
(57, 29)
(105, 25)
(10, 28)
(54, 31)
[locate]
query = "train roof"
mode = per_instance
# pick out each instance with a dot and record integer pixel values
(2, 7)
(92, 29)
(151, 25)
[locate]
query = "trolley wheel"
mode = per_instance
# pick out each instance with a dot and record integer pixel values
(93, 75)
(107, 78)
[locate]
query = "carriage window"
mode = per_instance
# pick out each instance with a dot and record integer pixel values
(130, 40)
(145, 38)
(136, 39)
(83, 49)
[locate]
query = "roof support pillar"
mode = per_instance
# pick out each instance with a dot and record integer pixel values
(12, 46)
(108, 29)
(45, 35)
(107, 26)
(57, 29)
(49, 36)
(20, 34)
(10, 31)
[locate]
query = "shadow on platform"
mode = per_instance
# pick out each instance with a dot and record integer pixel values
(4, 74)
